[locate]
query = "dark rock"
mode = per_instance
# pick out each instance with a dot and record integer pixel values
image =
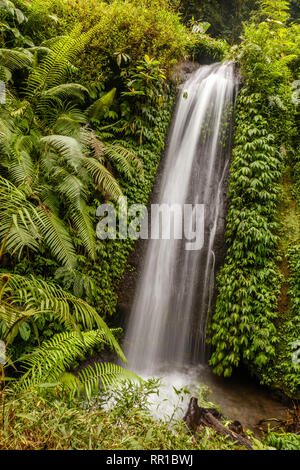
(182, 71)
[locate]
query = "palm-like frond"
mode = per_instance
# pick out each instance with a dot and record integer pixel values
(97, 110)
(22, 224)
(105, 375)
(18, 217)
(21, 168)
(50, 361)
(51, 101)
(68, 147)
(13, 59)
(103, 178)
(67, 91)
(22, 294)
(57, 237)
(68, 121)
(5, 137)
(125, 160)
(89, 139)
(70, 187)
(53, 68)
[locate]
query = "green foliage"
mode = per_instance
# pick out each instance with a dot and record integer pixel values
(56, 168)
(104, 376)
(35, 163)
(127, 31)
(283, 373)
(283, 441)
(206, 48)
(24, 299)
(46, 365)
(224, 16)
(27, 302)
(244, 326)
(145, 115)
(42, 419)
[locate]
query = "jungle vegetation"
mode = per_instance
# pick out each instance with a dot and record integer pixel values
(86, 99)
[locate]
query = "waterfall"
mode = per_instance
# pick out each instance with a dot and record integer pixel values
(167, 325)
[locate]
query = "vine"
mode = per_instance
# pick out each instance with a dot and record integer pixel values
(246, 326)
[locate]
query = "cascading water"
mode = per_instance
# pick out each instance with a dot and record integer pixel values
(168, 322)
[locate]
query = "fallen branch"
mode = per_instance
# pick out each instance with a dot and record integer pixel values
(197, 416)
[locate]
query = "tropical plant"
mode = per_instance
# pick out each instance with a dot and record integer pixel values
(25, 301)
(248, 325)
(47, 365)
(71, 159)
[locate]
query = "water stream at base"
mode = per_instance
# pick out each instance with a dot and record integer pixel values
(239, 398)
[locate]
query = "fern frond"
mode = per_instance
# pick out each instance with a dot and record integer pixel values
(29, 293)
(53, 68)
(18, 217)
(13, 59)
(57, 237)
(106, 375)
(82, 284)
(125, 160)
(67, 146)
(89, 139)
(21, 168)
(70, 187)
(103, 178)
(48, 362)
(98, 109)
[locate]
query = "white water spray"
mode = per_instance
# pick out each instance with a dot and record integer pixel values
(167, 326)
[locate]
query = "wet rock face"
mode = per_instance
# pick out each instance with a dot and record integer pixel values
(182, 71)
(129, 282)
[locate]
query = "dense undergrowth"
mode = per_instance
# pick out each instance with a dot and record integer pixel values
(250, 324)
(35, 421)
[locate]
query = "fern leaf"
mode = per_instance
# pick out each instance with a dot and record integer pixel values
(68, 147)
(54, 357)
(106, 375)
(103, 178)
(125, 160)
(32, 294)
(67, 91)
(85, 229)
(57, 237)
